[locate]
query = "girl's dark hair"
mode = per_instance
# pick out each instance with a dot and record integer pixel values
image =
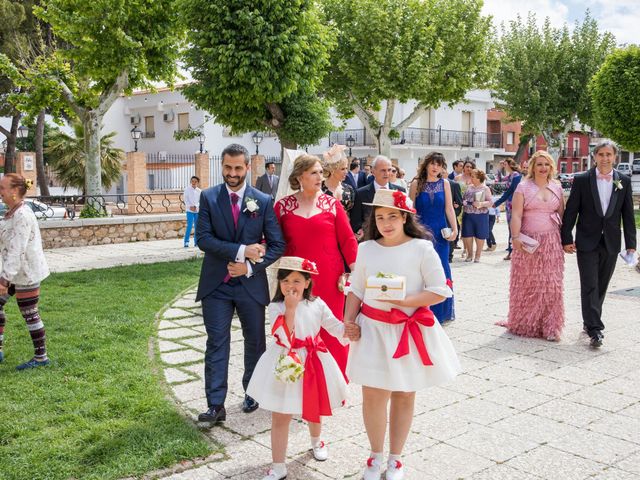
(470, 162)
(282, 274)
(412, 227)
(433, 157)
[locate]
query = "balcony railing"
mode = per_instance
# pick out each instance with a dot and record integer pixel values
(423, 136)
(572, 153)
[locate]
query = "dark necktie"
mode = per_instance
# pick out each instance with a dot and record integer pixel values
(235, 208)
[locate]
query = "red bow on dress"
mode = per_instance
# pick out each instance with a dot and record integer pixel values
(315, 397)
(422, 316)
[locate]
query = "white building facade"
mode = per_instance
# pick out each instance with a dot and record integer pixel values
(457, 131)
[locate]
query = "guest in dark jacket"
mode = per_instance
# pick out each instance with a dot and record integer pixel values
(381, 168)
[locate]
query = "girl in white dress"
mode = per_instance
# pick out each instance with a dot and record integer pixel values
(402, 347)
(297, 375)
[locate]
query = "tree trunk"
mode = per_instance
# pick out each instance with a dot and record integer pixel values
(384, 142)
(39, 141)
(554, 143)
(522, 147)
(288, 144)
(10, 153)
(93, 178)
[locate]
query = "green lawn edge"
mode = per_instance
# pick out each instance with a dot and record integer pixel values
(102, 410)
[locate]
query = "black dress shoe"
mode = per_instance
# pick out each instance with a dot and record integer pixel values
(213, 415)
(249, 404)
(596, 340)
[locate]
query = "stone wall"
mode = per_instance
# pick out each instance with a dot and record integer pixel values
(102, 231)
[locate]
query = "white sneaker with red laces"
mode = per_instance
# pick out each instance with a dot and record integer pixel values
(395, 470)
(373, 470)
(320, 451)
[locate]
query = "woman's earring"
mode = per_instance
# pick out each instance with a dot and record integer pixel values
(13, 197)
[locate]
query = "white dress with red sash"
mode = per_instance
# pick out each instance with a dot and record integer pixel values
(401, 349)
(322, 386)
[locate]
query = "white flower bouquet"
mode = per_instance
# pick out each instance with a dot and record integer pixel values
(289, 368)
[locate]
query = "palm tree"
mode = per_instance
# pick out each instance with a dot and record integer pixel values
(66, 156)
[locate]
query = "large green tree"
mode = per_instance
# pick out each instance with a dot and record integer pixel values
(615, 89)
(544, 72)
(389, 51)
(16, 29)
(109, 47)
(257, 65)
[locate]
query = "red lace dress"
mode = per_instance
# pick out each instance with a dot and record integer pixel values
(325, 238)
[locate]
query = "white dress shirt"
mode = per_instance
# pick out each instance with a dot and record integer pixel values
(240, 258)
(192, 198)
(377, 186)
(604, 191)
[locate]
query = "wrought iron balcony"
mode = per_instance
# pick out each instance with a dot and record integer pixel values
(423, 136)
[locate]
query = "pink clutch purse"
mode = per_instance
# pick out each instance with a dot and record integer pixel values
(529, 244)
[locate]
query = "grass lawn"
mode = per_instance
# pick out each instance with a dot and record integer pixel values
(637, 214)
(100, 410)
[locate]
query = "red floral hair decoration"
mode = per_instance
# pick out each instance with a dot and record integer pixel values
(400, 201)
(309, 266)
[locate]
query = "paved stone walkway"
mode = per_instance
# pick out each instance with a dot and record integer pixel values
(522, 410)
(114, 255)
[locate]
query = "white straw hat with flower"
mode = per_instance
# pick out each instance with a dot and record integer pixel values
(392, 199)
(298, 264)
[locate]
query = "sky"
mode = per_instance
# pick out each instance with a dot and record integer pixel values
(620, 17)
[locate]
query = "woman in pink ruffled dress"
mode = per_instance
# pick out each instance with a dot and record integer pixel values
(536, 306)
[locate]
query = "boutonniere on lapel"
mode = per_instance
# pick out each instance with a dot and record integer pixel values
(251, 207)
(617, 184)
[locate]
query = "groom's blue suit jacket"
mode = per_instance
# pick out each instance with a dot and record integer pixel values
(220, 240)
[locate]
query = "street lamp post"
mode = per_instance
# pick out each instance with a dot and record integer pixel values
(23, 131)
(350, 143)
(136, 133)
(257, 139)
(201, 139)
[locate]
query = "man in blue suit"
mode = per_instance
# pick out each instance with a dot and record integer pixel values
(355, 177)
(234, 220)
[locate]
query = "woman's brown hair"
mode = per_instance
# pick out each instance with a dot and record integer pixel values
(480, 175)
(300, 165)
(433, 157)
(17, 181)
(512, 164)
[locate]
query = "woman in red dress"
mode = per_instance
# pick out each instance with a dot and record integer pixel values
(316, 227)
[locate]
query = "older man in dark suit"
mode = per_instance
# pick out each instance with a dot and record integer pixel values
(600, 200)
(233, 221)
(381, 168)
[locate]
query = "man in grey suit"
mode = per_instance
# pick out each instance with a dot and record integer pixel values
(268, 183)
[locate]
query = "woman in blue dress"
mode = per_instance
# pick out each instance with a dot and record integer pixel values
(432, 199)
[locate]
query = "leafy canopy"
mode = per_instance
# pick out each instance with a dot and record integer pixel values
(616, 97)
(543, 73)
(431, 51)
(257, 63)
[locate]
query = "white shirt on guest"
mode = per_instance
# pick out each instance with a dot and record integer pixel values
(192, 198)
(377, 186)
(604, 191)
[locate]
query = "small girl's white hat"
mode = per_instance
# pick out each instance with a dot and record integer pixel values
(298, 264)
